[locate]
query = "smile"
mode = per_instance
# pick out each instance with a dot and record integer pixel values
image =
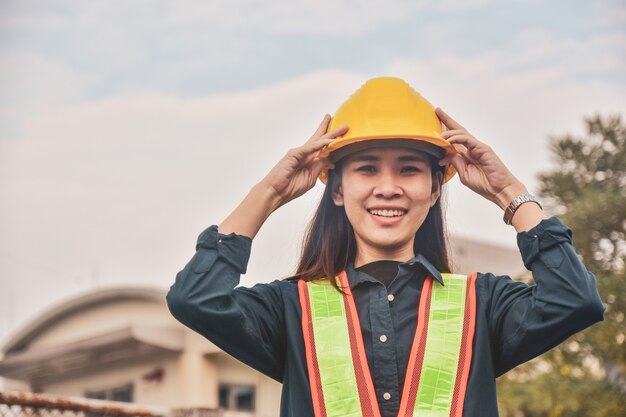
(387, 213)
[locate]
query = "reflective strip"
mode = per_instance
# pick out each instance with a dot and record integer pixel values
(331, 342)
(317, 395)
(416, 358)
(438, 377)
(369, 404)
(465, 355)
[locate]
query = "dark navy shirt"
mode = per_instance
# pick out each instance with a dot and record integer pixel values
(261, 325)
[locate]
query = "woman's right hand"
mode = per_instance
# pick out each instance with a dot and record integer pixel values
(298, 170)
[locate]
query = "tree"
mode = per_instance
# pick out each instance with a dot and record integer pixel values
(585, 375)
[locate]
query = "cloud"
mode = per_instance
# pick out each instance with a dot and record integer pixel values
(598, 55)
(343, 17)
(33, 83)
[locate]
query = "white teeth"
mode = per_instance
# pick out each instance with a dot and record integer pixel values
(387, 213)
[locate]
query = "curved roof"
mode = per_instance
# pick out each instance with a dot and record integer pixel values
(20, 339)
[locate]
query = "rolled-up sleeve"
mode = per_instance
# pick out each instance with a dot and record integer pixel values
(247, 323)
(527, 320)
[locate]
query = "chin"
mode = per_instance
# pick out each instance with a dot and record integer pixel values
(390, 243)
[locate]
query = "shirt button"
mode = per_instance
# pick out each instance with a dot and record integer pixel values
(390, 297)
(387, 396)
(383, 338)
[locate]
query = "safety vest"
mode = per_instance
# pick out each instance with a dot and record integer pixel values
(438, 368)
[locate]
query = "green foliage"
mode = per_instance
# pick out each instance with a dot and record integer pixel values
(585, 375)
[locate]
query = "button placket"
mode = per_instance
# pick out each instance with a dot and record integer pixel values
(383, 349)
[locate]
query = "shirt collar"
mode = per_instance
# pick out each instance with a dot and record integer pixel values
(419, 262)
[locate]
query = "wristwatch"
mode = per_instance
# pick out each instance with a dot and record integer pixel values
(518, 201)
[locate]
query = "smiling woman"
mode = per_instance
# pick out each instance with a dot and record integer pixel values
(386, 194)
(373, 323)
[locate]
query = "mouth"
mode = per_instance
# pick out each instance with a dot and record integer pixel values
(387, 212)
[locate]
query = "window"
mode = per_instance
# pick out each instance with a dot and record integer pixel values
(237, 397)
(120, 393)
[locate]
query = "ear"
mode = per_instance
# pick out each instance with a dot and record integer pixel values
(435, 191)
(337, 193)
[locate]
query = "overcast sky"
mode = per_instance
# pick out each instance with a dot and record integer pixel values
(127, 127)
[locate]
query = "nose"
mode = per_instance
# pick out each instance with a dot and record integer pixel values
(387, 186)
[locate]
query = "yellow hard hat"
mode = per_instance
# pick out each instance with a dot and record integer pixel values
(386, 111)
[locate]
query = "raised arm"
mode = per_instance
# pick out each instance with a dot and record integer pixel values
(525, 320)
(481, 170)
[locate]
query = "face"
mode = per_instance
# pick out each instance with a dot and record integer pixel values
(387, 193)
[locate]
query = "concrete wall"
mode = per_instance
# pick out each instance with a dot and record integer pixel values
(101, 318)
(163, 392)
(231, 371)
(189, 380)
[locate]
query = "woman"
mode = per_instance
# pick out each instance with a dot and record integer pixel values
(392, 333)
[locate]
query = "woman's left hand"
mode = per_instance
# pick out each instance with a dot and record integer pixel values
(478, 166)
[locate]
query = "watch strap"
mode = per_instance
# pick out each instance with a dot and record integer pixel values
(518, 201)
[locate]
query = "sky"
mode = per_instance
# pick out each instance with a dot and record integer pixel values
(128, 127)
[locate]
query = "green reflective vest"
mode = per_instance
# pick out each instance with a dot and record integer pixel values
(438, 368)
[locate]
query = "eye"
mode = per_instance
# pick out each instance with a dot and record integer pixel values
(366, 168)
(410, 169)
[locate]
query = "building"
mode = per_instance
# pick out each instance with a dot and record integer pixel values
(122, 344)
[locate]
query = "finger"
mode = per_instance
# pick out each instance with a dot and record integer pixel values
(468, 141)
(448, 121)
(319, 165)
(445, 160)
(321, 129)
(447, 133)
(323, 125)
(458, 162)
(322, 134)
(341, 130)
(474, 149)
(316, 144)
(468, 155)
(459, 148)
(312, 147)
(459, 151)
